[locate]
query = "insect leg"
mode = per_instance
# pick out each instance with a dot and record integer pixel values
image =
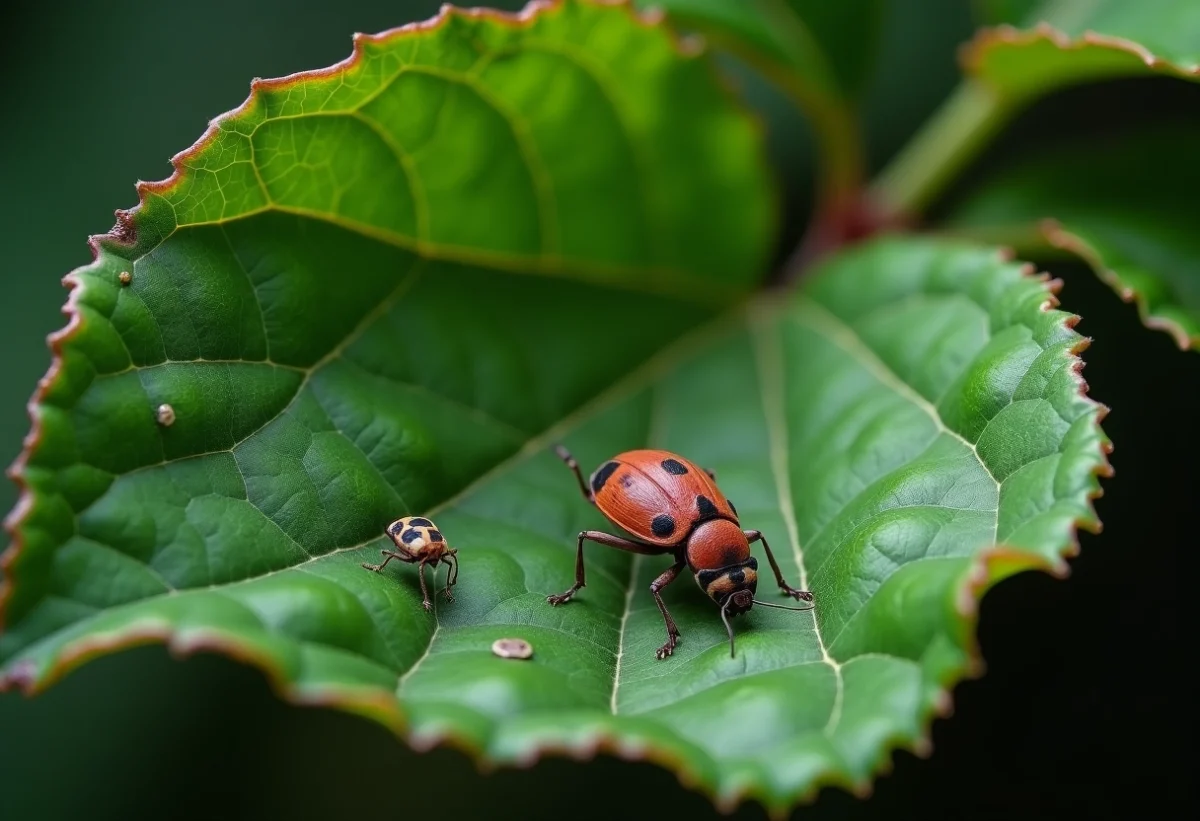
(658, 584)
(711, 475)
(605, 539)
(451, 562)
(425, 602)
(566, 456)
(404, 557)
(755, 536)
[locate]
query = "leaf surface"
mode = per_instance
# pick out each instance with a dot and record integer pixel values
(388, 288)
(1125, 204)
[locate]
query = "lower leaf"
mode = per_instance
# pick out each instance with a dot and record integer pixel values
(906, 430)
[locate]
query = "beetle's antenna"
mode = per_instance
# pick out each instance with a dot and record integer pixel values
(728, 628)
(781, 606)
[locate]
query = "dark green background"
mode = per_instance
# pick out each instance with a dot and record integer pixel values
(1081, 674)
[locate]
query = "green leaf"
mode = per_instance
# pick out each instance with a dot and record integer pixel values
(1124, 204)
(1067, 42)
(340, 350)
(1064, 43)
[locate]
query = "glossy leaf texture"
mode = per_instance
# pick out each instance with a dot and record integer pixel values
(370, 293)
(1125, 204)
(1063, 42)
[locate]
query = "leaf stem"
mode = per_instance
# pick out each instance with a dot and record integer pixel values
(952, 137)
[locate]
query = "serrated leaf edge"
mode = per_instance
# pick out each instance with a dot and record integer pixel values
(1066, 240)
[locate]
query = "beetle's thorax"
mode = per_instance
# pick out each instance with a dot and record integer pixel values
(715, 544)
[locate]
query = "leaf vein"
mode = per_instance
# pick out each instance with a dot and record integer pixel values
(770, 358)
(825, 323)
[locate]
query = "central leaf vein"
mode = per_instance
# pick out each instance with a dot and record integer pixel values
(768, 349)
(833, 328)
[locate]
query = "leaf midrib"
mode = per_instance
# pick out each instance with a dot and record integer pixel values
(770, 363)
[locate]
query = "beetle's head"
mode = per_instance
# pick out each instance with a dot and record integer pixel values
(732, 587)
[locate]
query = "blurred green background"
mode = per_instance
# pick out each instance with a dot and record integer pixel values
(99, 95)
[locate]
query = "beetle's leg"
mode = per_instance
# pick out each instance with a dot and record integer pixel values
(425, 602)
(451, 562)
(605, 539)
(658, 584)
(566, 456)
(404, 557)
(711, 475)
(755, 536)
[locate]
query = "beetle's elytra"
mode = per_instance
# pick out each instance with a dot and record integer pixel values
(673, 507)
(419, 541)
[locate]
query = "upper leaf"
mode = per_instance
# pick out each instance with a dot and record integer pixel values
(1125, 204)
(906, 431)
(571, 140)
(1062, 43)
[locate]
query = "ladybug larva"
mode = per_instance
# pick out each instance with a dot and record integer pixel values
(673, 507)
(418, 541)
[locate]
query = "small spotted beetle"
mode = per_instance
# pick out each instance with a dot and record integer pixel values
(419, 542)
(674, 508)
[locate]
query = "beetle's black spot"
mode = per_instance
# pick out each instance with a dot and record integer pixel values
(395, 527)
(435, 536)
(705, 506)
(410, 536)
(707, 577)
(731, 507)
(419, 522)
(752, 563)
(602, 474)
(738, 576)
(663, 525)
(674, 467)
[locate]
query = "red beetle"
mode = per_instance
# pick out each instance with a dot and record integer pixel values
(675, 508)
